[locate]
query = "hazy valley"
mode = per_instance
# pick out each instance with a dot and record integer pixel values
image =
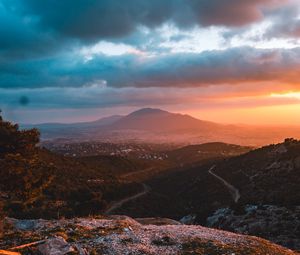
(242, 189)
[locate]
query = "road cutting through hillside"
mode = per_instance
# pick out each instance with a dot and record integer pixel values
(118, 204)
(235, 193)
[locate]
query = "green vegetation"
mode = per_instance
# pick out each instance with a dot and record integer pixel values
(22, 174)
(36, 183)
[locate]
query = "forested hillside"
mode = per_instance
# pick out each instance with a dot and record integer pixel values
(37, 183)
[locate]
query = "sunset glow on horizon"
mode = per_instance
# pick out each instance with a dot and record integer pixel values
(282, 113)
(223, 61)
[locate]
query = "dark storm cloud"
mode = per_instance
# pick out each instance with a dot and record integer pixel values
(34, 28)
(233, 13)
(286, 22)
(109, 18)
(236, 65)
(21, 36)
(94, 19)
(38, 38)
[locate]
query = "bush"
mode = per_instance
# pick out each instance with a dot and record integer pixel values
(13, 140)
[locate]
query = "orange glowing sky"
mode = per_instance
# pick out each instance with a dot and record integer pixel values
(223, 61)
(259, 110)
(285, 115)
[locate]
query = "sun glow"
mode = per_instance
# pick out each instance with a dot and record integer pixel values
(295, 95)
(273, 109)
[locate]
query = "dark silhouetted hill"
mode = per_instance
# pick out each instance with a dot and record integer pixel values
(35, 182)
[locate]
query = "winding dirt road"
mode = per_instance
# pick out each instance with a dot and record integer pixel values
(117, 204)
(130, 177)
(235, 193)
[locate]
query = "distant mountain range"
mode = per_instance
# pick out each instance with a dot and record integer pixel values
(156, 120)
(159, 126)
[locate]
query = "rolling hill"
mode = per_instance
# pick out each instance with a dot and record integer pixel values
(150, 125)
(253, 193)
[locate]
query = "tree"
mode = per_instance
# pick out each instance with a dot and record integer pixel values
(19, 163)
(13, 140)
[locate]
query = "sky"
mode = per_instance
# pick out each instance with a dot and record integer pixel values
(228, 61)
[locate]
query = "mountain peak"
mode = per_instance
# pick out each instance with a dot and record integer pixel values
(145, 111)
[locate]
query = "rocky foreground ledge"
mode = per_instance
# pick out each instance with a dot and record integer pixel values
(123, 235)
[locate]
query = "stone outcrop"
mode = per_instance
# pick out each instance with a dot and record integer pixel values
(55, 246)
(276, 223)
(124, 235)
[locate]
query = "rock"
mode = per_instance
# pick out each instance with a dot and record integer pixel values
(278, 224)
(55, 246)
(157, 221)
(26, 225)
(218, 216)
(81, 250)
(188, 219)
(106, 236)
(251, 209)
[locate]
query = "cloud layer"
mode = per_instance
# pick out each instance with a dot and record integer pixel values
(91, 19)
(112, 53)
(231, 66)
(39, 26)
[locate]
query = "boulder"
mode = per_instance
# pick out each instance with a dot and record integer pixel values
(188, 219)
(157, 221)
(125, 235)
(55, 246)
